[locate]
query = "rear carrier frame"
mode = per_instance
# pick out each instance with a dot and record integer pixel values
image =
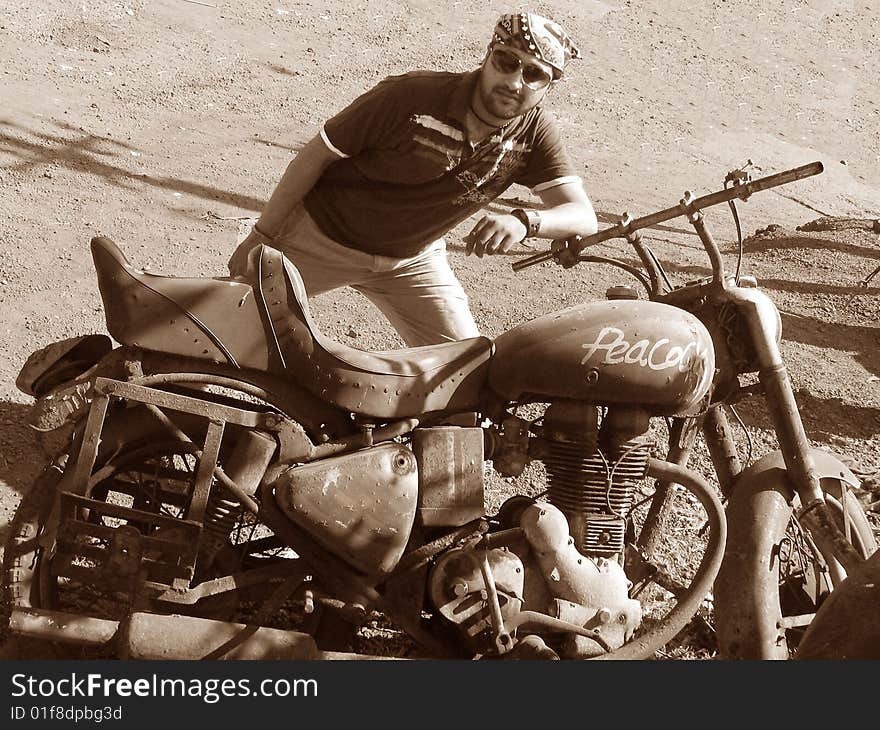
(155, 554)
(168, 560)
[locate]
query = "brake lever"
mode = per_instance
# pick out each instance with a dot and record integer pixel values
(740, 177)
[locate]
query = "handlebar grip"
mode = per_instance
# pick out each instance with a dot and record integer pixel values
(785, 177)
(539, 258)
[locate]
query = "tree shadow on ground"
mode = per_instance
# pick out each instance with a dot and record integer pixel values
(862, 340)
(24, 452)
(20, 445)
(82, 152)
(755, 244)
(823, 418)
(803, 287)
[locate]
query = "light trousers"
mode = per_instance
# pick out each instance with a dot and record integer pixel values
(421, 296)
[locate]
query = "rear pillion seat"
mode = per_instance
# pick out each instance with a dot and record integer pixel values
(211, 319)
(265, 324)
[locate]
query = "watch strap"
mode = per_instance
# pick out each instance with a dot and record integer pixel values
(531, 219)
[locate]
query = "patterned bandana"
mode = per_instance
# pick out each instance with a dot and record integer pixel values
(536, 35)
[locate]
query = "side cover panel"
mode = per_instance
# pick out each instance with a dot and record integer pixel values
(360, 506)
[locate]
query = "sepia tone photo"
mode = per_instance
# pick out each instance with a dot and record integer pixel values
(439, 330)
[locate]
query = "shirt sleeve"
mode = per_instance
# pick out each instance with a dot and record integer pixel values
(548, 163)
(372, 121)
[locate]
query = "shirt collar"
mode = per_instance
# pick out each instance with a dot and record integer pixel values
(460, 104)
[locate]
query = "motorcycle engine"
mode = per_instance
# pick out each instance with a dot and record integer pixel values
(563, 565)
(593, 472)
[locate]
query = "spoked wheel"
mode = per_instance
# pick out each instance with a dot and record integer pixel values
(807, 575)
(131, 539)
(774, 576)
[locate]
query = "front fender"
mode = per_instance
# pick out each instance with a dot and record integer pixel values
(746, 589)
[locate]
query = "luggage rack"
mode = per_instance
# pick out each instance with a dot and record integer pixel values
(152, 549)
(127, 557)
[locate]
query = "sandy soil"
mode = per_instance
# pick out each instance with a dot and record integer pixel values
(161, 124)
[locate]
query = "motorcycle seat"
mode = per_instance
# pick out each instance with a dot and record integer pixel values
(207, 318)
(265, 324)
(397, 383)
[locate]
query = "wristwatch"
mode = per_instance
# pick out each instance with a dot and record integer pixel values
(531, 219)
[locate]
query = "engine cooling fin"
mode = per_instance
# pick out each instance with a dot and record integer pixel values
(592, 482)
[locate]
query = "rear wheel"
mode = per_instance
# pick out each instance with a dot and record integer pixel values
(118, 553)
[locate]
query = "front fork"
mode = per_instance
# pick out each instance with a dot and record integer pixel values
(761, 318)
(814, 513)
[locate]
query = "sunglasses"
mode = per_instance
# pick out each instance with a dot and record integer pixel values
(533, 76)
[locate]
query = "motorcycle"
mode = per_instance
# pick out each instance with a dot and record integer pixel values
(227, 460)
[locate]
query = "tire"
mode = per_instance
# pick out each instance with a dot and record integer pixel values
(773, 578)
(22, 551)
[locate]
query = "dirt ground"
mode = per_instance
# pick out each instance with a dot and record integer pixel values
(161, 124)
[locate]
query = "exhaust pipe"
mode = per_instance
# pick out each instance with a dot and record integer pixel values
(66, 628)
(173, 637)
(153, 636)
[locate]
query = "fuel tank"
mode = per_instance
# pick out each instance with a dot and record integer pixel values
(622, 351)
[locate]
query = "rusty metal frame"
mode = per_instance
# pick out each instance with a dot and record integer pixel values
(91, 439)
(235, 582)
(205, 471)
(217, 414)
(722, 448)
(181, 553)
(682, 437)
(187, 404)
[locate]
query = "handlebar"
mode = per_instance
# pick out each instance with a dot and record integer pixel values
(686, 206)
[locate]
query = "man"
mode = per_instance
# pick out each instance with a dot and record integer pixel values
(367, 201)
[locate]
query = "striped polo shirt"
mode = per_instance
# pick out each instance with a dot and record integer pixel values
(406, 171)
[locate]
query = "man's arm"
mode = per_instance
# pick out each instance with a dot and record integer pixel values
(300, 176)
(568, 212)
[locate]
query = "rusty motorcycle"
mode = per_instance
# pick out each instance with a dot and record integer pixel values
(227, 459)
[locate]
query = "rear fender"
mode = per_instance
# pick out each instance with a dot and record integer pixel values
(746, 590)
(61, 362)
(66, 403)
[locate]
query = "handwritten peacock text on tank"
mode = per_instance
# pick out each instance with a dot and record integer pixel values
(656, 355)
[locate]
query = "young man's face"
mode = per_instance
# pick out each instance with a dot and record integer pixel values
(512, 81)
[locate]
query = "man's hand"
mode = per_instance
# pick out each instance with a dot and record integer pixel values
(566, 250)
(494, 234)
(237, 263)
